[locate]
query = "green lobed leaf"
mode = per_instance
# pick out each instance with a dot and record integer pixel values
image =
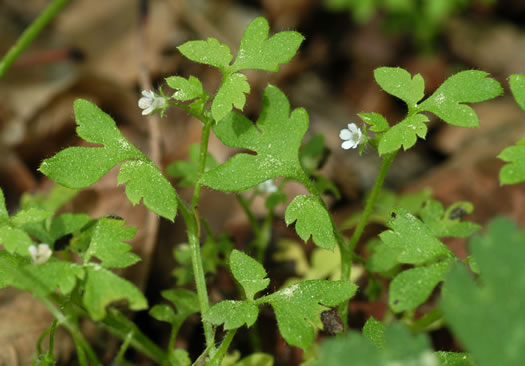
(9, 263)
(447, 223)
(400, 348)
(374, 331)
(79, 167)
(233, 314)
(185, 89)
(517, 87)
(415, 242)
(163, 313)
(405, 134)
(376, 120)
(312, 220)
(52, 201)
(67, 223)
(276, 138)
(15, 240)
(399, 83)
(55, 273)
(514, 171)
(454, 359)
(487, 315)
(146, 181)
(412, 287)
(383, 258)
(185, 301)
(250, 274)
(298, 305)
(30, 215)
(230, 94)
(312, 153)
(471, 86)
(258, 52)
(210, 52)
(107, 244)
(103, 287)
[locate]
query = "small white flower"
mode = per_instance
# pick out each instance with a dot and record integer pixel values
(351, 136)
(267, 186)
(150, 102)
(40, 254)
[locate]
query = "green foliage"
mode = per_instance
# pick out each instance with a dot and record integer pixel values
(103, 287)
(514, 171)
(312, 219)
(185, 302)
(249, 273)
(233, 314)
(79, 167)
(255, 52)
(447, 102)
(486, 315)
(276, 138)
(400, 348)
(298, 305)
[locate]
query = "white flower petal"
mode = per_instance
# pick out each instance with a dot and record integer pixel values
(345, 134)
(347, 145)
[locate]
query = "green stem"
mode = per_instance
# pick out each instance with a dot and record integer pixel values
(202, 162)
(30, 34)
(198, 270)
(221, 352)
(370, 203)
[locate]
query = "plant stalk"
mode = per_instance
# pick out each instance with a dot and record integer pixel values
(30, 34)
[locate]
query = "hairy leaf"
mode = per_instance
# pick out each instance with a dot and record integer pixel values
(517, 86)
(404, 134)
(230, 94)
(233, 314)
(79, 167)
(276, 138)
(414, 241)
(210, 52)
(376, 120)
(312, 220)
(250, 274)
(296, 306)
(103, 287)
(514, 171)
(258, 52)
(399, 83)
(107, 244)
(185, 89)
(471, 86)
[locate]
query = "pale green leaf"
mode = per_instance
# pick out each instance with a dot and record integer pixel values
(250, 274)
(517, 86)
(514, 171)
(374, 331)
(79, 167)
(454, 359)
(103, 287)
(447, 223)
(399, 83)
(15, 240)
(186, 89)
(415, 242)
(412, 287)
(259, 52)
(210, 52)
(30, 215)
(57, 274)
(405, 134)
(312, 220)
(146, 181)
(233, 314)
(300, 304)
(185, 301)
(230, 94)
(377, 122)
(471, 86)
(276, 138)
(163, 313)
(107, 244)
(487, 315)
(9, 264)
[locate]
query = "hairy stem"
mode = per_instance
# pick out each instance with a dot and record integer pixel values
(30, 34)
(223, 348)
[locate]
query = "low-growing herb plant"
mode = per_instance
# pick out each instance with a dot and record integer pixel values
(65, 260)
